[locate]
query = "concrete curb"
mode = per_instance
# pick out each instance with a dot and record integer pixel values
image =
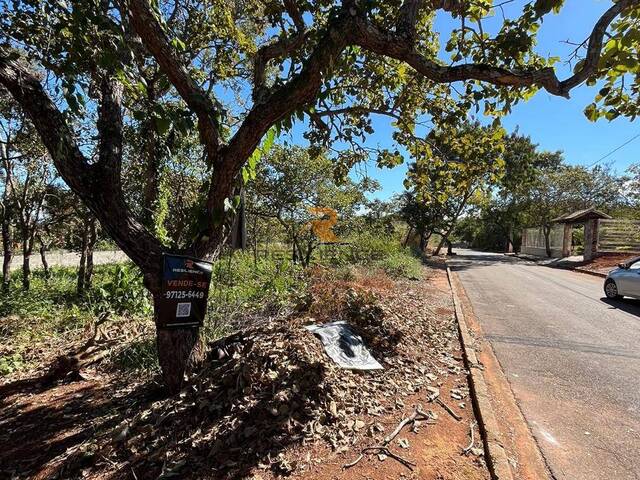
(495, 454)
(589, 272)
(574, 269)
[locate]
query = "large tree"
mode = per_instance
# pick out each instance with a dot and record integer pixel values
(240, 68)
(457, 165)
(524, 164)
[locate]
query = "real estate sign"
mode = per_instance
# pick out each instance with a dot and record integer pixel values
(185, 288)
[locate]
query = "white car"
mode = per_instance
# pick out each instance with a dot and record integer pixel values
(624, 281)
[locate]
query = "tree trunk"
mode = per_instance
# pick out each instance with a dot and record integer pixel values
(83, 261)
(406, 239)
(441, 244)
(26, 264)
(424, 241)
(7, 250)
(152, 156)
(454, 220)
(307, 258)
(7, 227)
(510, 246)
(546, 230)
(43, 258)
(255, 240)
(91, 243)
(179, 348)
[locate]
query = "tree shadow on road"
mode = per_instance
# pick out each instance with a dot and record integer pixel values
(471, 260)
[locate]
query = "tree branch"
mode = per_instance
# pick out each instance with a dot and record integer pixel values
(407, 19)
(92, 183)
(109, 127)
(294, 12)
(277, 49)
(370, 37)
(594, 48)
(298, 92)
(147, 26)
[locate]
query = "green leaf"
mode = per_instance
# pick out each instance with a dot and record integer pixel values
(591, 112)
(162, 124)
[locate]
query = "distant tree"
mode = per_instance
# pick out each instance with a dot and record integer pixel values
(523, 165)
(460, 164)
(298, 189)
(569, 188)
(11, 128)
(381, 215)
(27, 174)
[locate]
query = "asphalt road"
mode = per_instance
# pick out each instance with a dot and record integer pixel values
(571, 356)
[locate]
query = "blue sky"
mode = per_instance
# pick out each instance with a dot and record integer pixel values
(552, 122)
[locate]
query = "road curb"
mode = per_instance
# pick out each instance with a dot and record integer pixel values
(495, 453)
(589, 272)
(574, 269)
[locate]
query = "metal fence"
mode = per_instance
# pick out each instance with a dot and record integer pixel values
(533, 241)
(618, 235)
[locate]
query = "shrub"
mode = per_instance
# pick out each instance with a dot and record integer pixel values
(10, 363)
(383, 252)
(242, 285)
(401, 265)
(123, 293)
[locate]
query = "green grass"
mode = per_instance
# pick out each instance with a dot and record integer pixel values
(52, 305)
(241, 287)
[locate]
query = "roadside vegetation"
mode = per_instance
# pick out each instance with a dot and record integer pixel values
(241, 132)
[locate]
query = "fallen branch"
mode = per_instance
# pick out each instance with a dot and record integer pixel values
(448, 409)
(467, 449)
(385, 450)
(355, 462)
(418, 414)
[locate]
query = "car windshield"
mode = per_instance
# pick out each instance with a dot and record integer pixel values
(631, 263)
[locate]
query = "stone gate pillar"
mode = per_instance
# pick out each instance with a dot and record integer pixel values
(567, 239)
(591, 239)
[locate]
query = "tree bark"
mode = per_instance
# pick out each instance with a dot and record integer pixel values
(91, 243)
(510, 246)
(7, 219)
(546, 230)
(424, 241)
(43, 258)
(7, 248)
(151, 155)
(82, 267)
(27, 247)
(407, 237)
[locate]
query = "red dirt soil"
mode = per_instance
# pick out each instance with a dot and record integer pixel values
(74, 429)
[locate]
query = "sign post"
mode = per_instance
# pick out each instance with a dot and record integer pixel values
(185, 289)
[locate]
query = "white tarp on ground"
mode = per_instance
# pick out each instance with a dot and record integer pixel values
(344, 346)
